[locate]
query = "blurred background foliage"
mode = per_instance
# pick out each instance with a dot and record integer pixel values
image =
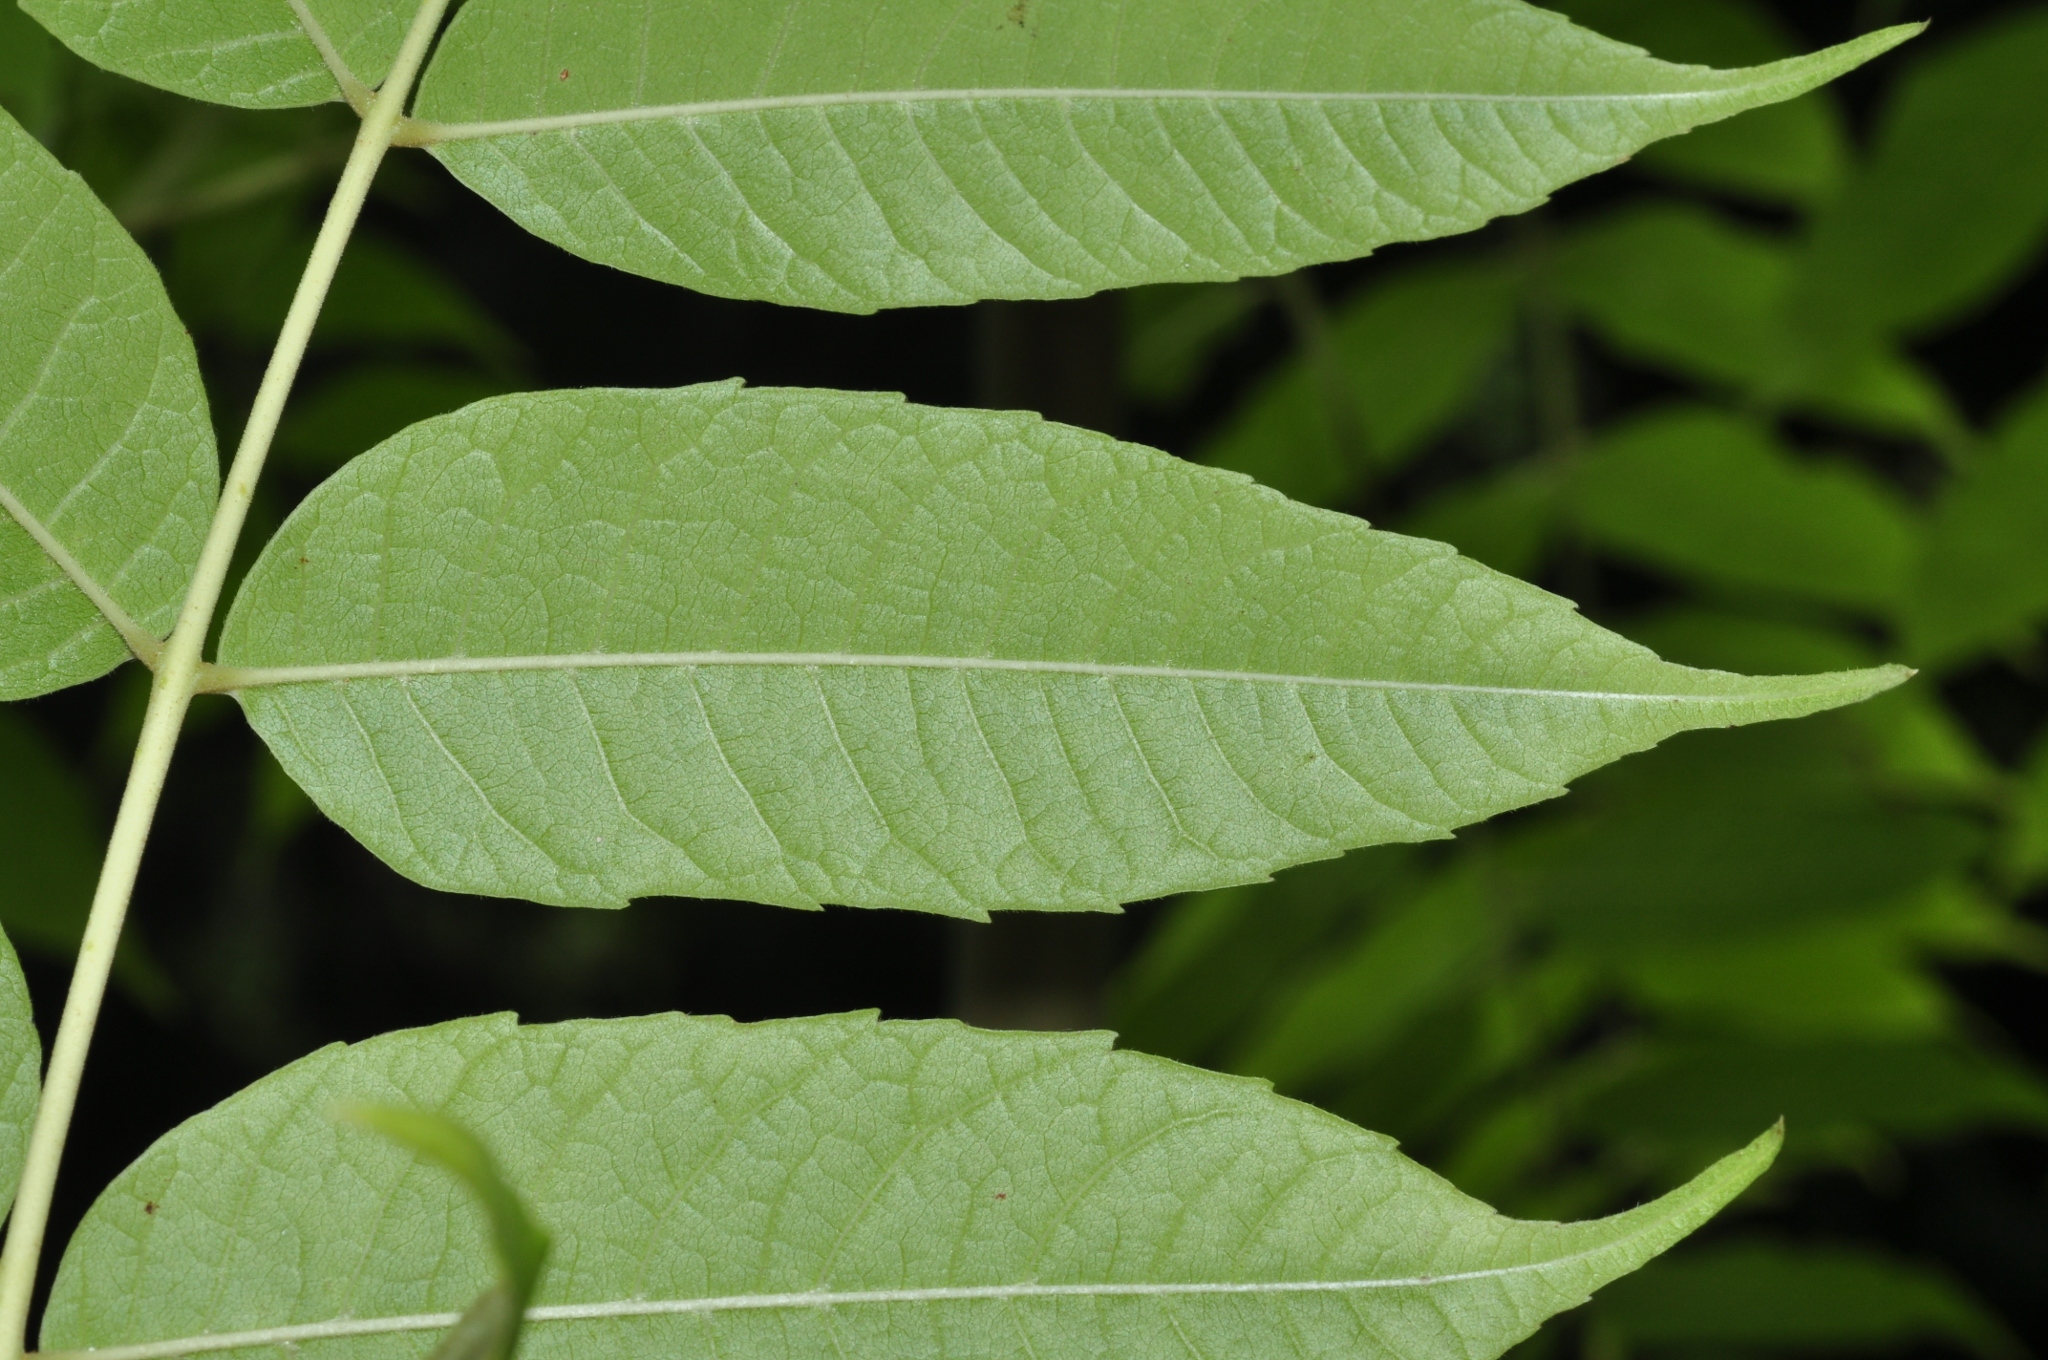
(1773, 398)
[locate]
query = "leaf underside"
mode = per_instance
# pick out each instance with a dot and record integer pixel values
(802, 647)
(105, 444)
(852, 155)
(252, 54)
(948, 1192)
(21, 1066)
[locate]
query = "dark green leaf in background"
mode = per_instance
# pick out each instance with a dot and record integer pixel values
(1954, 198)
(1700, 492)
(1773, 1295)
(1684, 289)
(1848, 1098)
(29, 72)
(1172, 331)
(1406, 356)
(1983, 577)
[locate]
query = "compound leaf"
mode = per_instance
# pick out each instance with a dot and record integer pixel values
(107, 464)
(253, 54)
(827, 1187)
(1049, 148)
(803, 647)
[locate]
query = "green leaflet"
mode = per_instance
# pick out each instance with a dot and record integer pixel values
(1045, 149)
(250, 53)
(804, 647)
(1806, 1295)
(107, 467)
(828, 1187)
(1714, 495)
(21, 1066)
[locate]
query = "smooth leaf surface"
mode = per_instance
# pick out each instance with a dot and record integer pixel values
(1715, 496)
(1048, 149)
(829, 1187)
(252, 54)
(803, 647)
(21, 1066)
(107, 464)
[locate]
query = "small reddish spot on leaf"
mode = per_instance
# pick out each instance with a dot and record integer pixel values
(1002, 1194)
(149, 1207)
(565, 75)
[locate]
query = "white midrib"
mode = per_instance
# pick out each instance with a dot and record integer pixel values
(735, 1303)
(223, 679)
(425, 132)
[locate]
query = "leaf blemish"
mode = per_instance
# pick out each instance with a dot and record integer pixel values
(149, 1207)
(564, 75)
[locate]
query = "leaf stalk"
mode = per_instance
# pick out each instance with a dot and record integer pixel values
(177, 674)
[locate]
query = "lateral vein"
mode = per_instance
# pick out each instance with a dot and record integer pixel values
(222, 679)
(145, 645)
